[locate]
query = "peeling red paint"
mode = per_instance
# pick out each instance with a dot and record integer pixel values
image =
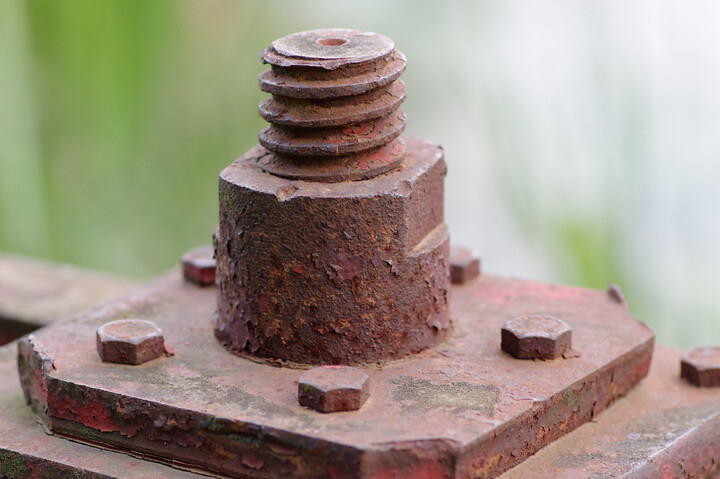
(175, 416)
(87, 411)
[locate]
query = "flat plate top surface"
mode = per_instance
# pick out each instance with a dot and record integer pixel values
(462, 390)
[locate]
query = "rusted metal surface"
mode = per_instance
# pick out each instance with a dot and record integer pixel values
(464, 265)
(339, 112)
(349, 266)
(359, 166)
(664, 429)
(616, 294)
(199, 265)
(701, 367)
(340, 273)
(34, 293)
(332, 249)
(26, 451)
(329, 49)
(334, 142)
(333, 389)
(463, 409)
(348, 79)
(334, 110)
(536, 337)
(130, 341)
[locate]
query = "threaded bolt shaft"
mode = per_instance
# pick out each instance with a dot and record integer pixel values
(335, 111)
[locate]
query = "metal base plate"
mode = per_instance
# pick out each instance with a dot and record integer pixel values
(27, 451)
(463, 409)
(664, 428)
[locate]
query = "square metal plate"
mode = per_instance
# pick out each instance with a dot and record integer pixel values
(464, 409)
(664, 428)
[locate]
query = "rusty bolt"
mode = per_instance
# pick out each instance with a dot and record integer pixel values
(464, 265)
(334, 222)
(333, 388)
(130, 341)
(616, 294)
(199, 265)
(536, 337)
(701, 367)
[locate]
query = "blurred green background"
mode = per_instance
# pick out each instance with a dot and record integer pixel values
(581, 136)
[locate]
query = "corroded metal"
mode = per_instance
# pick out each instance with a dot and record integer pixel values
(335, 106)
(616, 294)
(332, 249)
(333, 388)
(329, 251)
(330, 63)
(27, 451)
(464, 265)
(199, 265)
(664, 428)
(701, 366)
(130, 341)
(536, 337)
(463, 409)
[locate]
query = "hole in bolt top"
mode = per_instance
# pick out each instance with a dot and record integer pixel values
(331, 42)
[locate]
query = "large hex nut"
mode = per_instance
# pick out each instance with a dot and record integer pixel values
(701, 367)
(199, 265)
(536, 337)
(333, 273)
(130, 341)
(333, 389)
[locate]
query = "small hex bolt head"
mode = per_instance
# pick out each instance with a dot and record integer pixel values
(199, 265)
(333, 389)
(701, 367)
(130, 341)
(616, 294)
(536, 337)
(464, 265)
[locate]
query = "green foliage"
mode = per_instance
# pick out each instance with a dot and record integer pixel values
(122, 115)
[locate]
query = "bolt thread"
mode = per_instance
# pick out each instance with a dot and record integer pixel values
(335, 107)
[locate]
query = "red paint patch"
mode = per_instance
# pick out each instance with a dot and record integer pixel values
(90, 412)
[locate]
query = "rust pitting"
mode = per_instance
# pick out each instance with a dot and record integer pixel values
(213, 410)
(701, 366)
(334, 214)
(199, 265)
(338, 264)
(34, 364)
(332, 125)
(662, 429)
(332, 249)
